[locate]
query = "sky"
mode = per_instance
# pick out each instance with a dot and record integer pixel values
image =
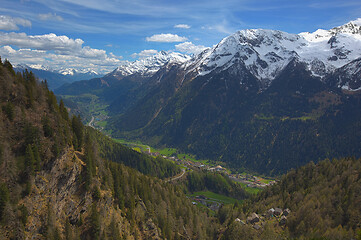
(100, 35)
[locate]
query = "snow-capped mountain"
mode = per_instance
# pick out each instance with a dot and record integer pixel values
(56, 78)
(73, 72)
(265, 53)
(146, 67)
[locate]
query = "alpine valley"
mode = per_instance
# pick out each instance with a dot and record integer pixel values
(261, 100)
(258, 138)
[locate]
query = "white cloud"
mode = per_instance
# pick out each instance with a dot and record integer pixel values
(166, 37)
(50, 16)
(184, 26)
(145, 53)
(41, 42)
(55, 51)
(189, 47)
(8, 23)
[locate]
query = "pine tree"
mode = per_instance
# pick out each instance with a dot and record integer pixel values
(4, 198)
(114, 230)
(94, 223)
(63, 110)
(78, 130)
(48, 131)
(24, 214)
(8, 65)
(68, 231)
(37, 160)
(1, 154)
(9, 111)
(29, 159)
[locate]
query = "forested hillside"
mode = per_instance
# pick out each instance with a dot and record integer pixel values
(56, 181)
(296, 120)
(61, 180)
(324, 200)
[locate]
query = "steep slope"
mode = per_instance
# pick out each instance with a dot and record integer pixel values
(56, 184)
(348, 77)
(265, 53)
(264, 100)
(122, 77)
(124, 86)
(323, 199)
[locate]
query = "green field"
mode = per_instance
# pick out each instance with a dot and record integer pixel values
(172, 151)
(215, 197)
(141, 147)
(266, 181)
(101, 123)
(136, 149)
(249, 189)
(166, 151)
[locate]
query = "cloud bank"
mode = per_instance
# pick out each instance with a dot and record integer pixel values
(8, 23)
(166, 37)
(190, 48)
(184, 26)
(57, 51)
(145, 53)
(50, 17)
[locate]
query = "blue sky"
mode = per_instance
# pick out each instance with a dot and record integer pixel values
(101, 34)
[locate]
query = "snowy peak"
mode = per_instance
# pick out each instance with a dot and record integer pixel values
(150, 65)
(265, 53)
(352, 27)
(72, 72)
(64, 71)
(34, 66)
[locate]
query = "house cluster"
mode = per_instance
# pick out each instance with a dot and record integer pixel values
(213, 205)
(250, 180)
(154, 154)
(258, 221)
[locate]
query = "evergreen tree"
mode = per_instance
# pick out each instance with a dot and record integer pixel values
(37, 160)
(8, 65)
(48, 130)
(89, 159)
(24, 214)
(29, 159)
(68, 231)
(94, 223)
(114, 230)
(9, 111)
(63, 110)
(4, 198)
(1, 154)
(78, 130)
(52, 102)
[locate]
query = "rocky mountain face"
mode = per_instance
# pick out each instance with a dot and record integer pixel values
(267, 88)
(257, 99)
(265, 53)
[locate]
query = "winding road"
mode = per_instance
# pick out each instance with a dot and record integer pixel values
(177, 177)
(90, 124)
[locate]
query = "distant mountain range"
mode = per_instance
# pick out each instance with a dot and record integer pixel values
(57, 78)
(264, 100)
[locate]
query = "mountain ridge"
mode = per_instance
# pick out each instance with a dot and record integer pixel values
(238, 101)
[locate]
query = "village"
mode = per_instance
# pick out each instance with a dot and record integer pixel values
(276, 215)
(249, 180)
